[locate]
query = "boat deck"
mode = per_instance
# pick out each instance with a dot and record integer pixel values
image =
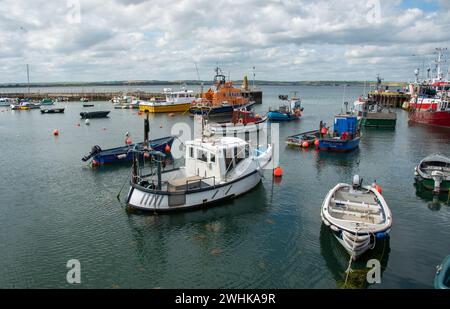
(358, 207)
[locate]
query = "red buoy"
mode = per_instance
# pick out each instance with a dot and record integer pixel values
(55, 132)
(146, 155)
(128, 141)
(305, 144)
(316, 142)
(171, 114)
(167, 148)
(378, 188)
(278, 172)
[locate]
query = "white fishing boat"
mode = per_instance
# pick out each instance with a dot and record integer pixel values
(357, 215)
(7, 101)
(215, 169)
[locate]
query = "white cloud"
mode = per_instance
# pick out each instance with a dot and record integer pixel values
(161, 39)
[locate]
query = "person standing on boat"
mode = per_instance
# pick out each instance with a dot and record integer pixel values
(128, 140)
(323, 131)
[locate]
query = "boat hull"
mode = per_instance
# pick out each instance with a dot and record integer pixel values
(142, 199)
(214, 110)
(165, 108)
(52, 111)
(99, 114)
(335, 145)
(439, 118)
(378, 123)
(277, 116)
(442, 278)
(122, 154)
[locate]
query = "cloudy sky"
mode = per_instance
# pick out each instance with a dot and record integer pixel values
(94, 40)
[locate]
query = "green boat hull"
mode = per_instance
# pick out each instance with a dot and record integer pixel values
(378, 123)
(429, 184)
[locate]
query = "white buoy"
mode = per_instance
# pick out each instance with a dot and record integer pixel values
(87, 122)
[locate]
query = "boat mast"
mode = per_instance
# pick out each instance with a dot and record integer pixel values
(439, 60)
(28, 78)
(253, 78)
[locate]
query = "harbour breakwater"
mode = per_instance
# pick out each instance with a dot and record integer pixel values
(255, 95)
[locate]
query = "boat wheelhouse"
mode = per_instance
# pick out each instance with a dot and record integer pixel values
(345, 136)
(215, 169)
(175, 101)
(221, 98)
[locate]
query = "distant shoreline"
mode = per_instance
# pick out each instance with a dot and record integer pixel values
(198, 83)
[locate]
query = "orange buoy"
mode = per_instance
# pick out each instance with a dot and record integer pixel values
(278, 172)
(55, 132)
(305, 144)
(378, 188)
(316, 142)
(167, 148)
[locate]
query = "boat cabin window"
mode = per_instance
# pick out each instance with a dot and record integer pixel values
(212, 158)
(191, 152)
(202, 155)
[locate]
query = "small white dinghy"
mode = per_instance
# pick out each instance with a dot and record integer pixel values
(357, 215)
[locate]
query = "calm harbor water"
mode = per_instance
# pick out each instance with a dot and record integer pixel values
(54, 208)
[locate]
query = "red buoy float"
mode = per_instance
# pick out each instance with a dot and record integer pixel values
(305, 144)
(167, 148)
(278, 172)
(378, 188)
(128, 141)
(316, 142)
(55, 132)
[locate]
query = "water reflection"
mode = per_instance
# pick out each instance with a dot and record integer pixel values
(435, 201)
(337, 259)
(347, 163)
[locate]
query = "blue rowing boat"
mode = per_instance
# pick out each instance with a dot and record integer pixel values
(345, 136)
(123, 154)
(442, 278)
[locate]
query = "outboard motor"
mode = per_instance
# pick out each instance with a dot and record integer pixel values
(357, 182)
(95, 150)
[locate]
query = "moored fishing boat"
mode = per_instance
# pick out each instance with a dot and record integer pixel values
(357, 215)
(7, 101)
(96, 114)
(372, 114)
(175, 101)
(52, 110)
(222, 98)
(286, 112)
(215, 169)
(442, 277)
(434, 173)
(243, 123)
(345, 136)
(124, 153)
(430, 99)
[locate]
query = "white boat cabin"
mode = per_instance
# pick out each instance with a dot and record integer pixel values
(179, 97)
(215, 158)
